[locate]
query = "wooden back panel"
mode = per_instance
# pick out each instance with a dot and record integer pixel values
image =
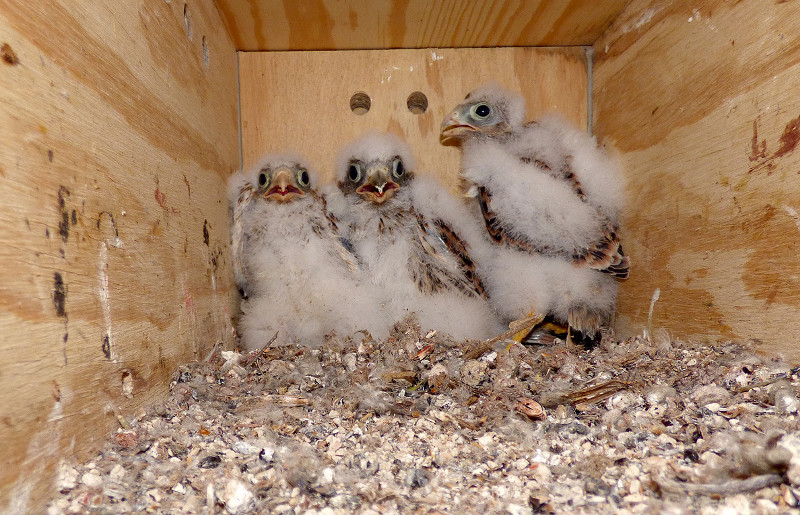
(301, 100)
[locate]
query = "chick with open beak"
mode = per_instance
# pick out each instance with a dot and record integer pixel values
(284, 182)
(401, 229)
(299, 277)
(376, 176)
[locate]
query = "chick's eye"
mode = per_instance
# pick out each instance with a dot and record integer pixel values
(303, 179)
(262, 179)
(354, 173)
(481, 110)
(398, 170)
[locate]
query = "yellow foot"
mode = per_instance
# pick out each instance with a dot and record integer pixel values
(524, 326)
(518, 330)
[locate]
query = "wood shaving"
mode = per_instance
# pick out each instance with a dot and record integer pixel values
(421, 423)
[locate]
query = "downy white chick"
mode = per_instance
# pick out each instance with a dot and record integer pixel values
(297, 275)
(550, 200)
(415, 258)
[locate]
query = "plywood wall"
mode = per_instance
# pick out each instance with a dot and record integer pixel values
(117, 132)
(301, 100)
(702, 100)
(259, 25)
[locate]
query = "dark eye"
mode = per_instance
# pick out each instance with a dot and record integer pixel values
(481, 110)
(354, 172)
(303, 179)
(262, 179)
(398, 170)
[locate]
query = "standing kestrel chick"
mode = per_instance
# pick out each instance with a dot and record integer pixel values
(298, 276)
(550, 200)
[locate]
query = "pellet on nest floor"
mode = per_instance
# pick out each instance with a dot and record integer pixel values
(420, 423)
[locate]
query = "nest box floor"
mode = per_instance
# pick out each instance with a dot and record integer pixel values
(420, 423)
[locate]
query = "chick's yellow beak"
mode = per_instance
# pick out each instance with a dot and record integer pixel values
(283, 188)
(378, 188)
(453, 126)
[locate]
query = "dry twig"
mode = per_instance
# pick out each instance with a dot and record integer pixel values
(252, 358)
(768, 382)
(731, 487)
(597, 393)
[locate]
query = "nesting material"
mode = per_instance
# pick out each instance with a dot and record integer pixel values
(420, 423)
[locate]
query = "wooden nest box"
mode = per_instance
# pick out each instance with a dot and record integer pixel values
(121, 121)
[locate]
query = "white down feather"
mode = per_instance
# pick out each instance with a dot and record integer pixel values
(533, 200)
(300, 282)
(386, 256)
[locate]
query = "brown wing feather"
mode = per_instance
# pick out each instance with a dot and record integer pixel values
(459, 248)
(494, 227)
(573, 180)
(564, 172)
(606, 256)
(433, 270)
(326, 228)
(244, 198)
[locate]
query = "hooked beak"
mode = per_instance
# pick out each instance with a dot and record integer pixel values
(453, 127)
(283, 189)
(378, 188)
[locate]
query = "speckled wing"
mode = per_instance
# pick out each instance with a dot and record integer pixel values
(442, 260)
(605, 255)
(495, 228)
(238, 208)
(326, 227)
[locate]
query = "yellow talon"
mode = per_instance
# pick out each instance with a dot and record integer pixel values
(528, 323)
(521, 335)
(517, 330)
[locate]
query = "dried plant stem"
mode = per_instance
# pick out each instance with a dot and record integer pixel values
(734, 486)
(252, 358)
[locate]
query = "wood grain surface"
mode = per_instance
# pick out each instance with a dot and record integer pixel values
(118, 131)
(259, 25)
(701, 99)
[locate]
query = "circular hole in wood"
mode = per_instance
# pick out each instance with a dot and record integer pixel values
(360, 102)
(417, 102)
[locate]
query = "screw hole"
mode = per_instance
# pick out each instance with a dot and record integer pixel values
(360, 103)
(417, 102)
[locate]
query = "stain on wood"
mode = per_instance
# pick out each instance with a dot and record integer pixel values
(59, 295)
(699, 98)
(759, 156)
(8, 54)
